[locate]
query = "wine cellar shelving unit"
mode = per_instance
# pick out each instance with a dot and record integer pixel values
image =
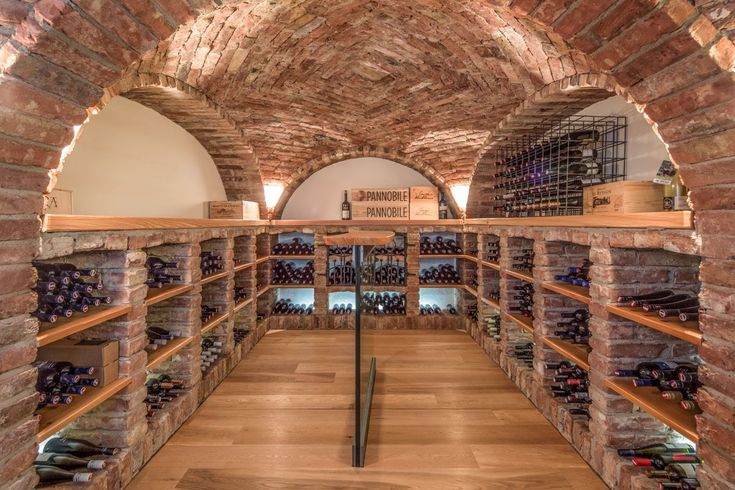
(621, 337)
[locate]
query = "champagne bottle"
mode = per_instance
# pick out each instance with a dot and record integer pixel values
(68, 461)
(77, 447)
(346, 210)
(52, 474)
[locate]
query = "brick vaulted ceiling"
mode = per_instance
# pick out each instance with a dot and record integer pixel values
(301, 79)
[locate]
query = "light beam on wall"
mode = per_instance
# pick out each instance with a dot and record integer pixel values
(460, 193)
(273, 192)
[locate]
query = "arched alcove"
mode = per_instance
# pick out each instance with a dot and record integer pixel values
(320, 195)
(131, 161)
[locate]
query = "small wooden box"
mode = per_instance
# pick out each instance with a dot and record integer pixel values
(623, 197)
(424, 203)
(233, 210)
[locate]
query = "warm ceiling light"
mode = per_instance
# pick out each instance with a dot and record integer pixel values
(273, 192)
(461, 193)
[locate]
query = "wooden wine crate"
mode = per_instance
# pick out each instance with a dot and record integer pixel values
(424, 203)
(233, 210)
(380, 204)
(623, 197)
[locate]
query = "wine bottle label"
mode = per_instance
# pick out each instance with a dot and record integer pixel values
(43, 457)
(82, 477)
(96, 464)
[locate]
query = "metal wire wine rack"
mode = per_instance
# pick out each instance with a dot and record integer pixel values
(543, 172)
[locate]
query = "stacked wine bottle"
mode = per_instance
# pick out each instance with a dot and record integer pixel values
(241, 294)
(240, 334)
(576, 327)
(69, 460)
(673, 465)
(288, 273)
(58, 382)
(341, 271)
(211, 263)
(570, 386)
(384, 303)
(522, 300)
(470, 311)
(492, 326)
(342, 309)
(441, 274)
(523, 351)
(157, 338)
(288, 307)
(396, 247)
(677, 382)
(340, 251)
(494, 294)
(523, 261)
(211, 351)
(439, 246)
(385, 272)
(162, 389)
(577, 276)
(297, 246)
(493, 252)
(428, 310)
(64, 290)
(209, 312)
(667, 304)
(161, 272)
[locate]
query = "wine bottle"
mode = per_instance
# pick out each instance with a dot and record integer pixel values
(346, 209)
(443, 208)
(52, 474)
(650, 450)
(675, 195)
(77, 447)
(634, 300)
(68, 461)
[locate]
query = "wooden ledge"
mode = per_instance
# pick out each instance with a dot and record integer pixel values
(522, 322)
(688, 331)
(575, 353)
(490, 265)
(214, 277)
(360, 237)
(291, 257)
(570, 291)
(242, 267)
(523, 276)
(172, 347)
(491, 302)
(166, 292)
(51, 332)
(242, 304)
(214, 322)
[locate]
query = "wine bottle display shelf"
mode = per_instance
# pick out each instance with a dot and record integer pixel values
(214, 277)
(51, 332)
(575, 353)
(688, 331)
(491, 302)
(242, 304)
(262, 291)
(291, 257)
(577, 293)
(292, 286)
(667, 411)
(166, 292)
(523, 276)
(490, 265)
(449, 256)
(242, 267)
(260, 260)
(214, 322)
(523, 322)
(54, 418)
(172, 347)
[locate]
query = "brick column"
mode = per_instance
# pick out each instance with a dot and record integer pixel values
(321, 296)
(413, 268)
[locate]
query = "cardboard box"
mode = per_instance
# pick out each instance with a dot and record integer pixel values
(623, 197)
(81, 352)
(105, 374)
(233, 210)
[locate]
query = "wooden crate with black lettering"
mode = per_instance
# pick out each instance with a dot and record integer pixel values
(380, 204)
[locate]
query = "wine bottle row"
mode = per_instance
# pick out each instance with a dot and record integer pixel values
(493, 251)
(575, 328)
(428, 310)
(571, 386)
(523, 351)
(297, 246)
(64, 290)
(494, 294)
(69, 460)
(287, 307)
(211, 263)
(667, 303)
(157, 338)
(341, 272)
(523, 261)
(470, 311)
(677, 382)
(441, 274)
(288, 273)
(385, 273)
(161, 272)
(211, 351)
(162, 390)
(241, 294)
(439, 246)
(342, 309)
(577, 276)
(58, 382)
(346, 251)
(673, 465)
(522, 300)
(383, 303)
(209, 312)
(240, 334)
(492, 326)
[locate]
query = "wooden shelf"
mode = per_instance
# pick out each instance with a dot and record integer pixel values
(490, 265)
(262, 259)
(522, 322)
(575, 292)
(172, 347)
(214, 322)
(53, 419)
(51, 332)
(242, 304)
(242, 267)
(291, 257)
(491, 302)
(470, 290)
(292, 286)
(214, 277)
(442, 286)
(523, 276)
(166, 292)
(667, 411)
(342, 287)
(261, 292)
(688, 331)
(449, 256)
(576, 353)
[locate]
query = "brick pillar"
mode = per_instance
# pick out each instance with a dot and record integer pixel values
(321, 296)
(413, 267)
(618, 343)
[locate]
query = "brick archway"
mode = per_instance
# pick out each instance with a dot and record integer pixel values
(56, 58)
(314, 166)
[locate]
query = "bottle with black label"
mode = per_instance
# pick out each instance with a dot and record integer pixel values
(346, 210)
(443, 208)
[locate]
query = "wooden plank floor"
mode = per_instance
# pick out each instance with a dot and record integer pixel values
(444, 416)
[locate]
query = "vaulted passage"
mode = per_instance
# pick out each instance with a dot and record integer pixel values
(443, 416)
